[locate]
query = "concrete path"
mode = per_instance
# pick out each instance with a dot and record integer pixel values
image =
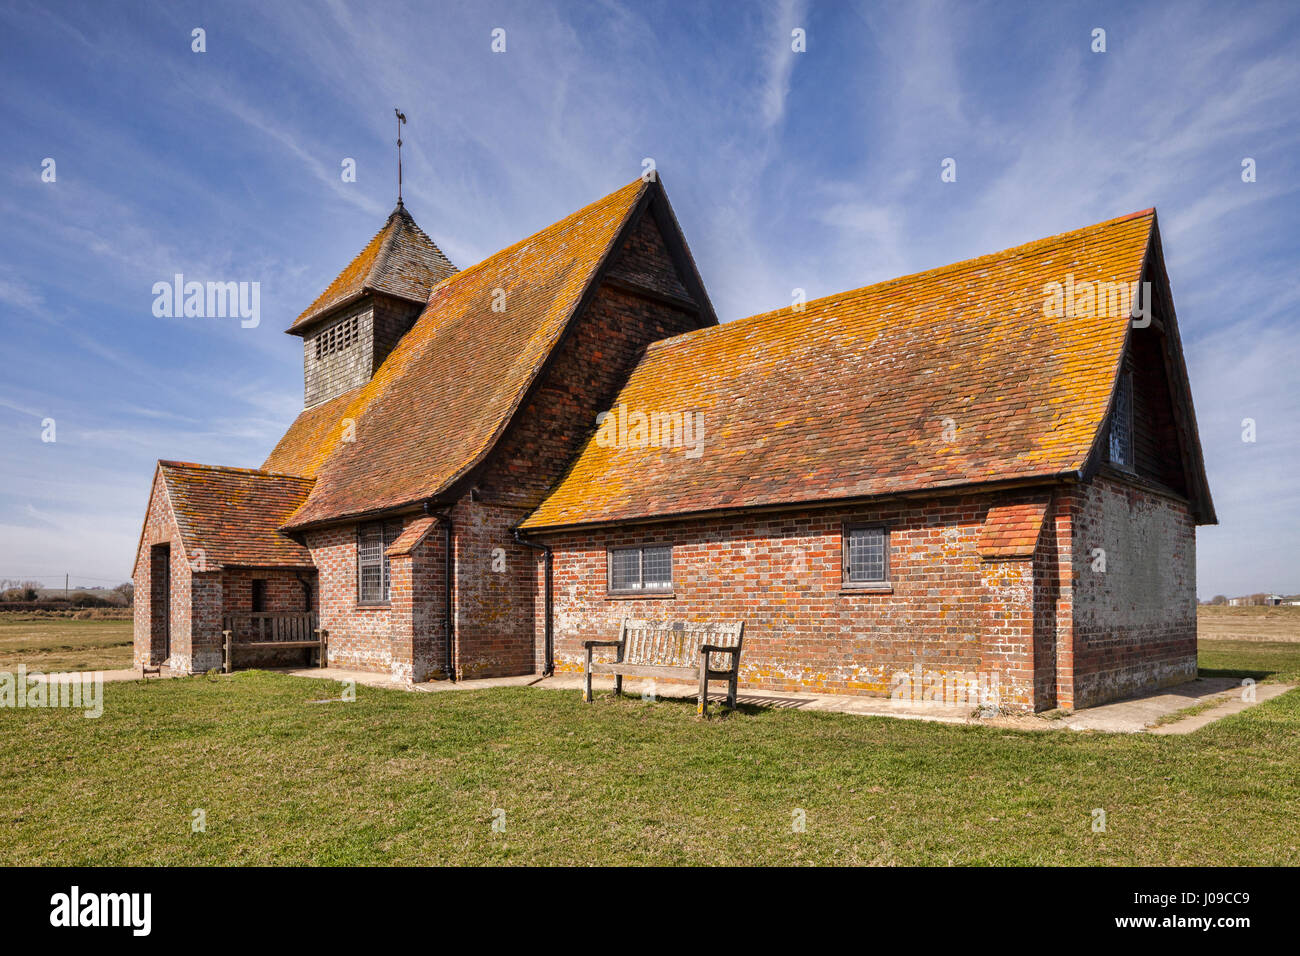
(1157, 712)
(1135, 715)
(1232, 702)
(107, 676)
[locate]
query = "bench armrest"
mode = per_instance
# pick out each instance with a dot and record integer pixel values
(601, 643)
(715, 649)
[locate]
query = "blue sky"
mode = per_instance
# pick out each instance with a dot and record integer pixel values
(817, 170)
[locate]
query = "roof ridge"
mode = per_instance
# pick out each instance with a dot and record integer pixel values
(948, 269)
(229, 469)
(377, 267)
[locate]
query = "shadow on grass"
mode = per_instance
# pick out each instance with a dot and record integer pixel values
(754, 707)
(1208, 672)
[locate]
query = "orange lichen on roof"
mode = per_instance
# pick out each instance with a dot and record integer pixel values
(449, 387)
(1012, 531)
(954, 376)
(231, 516)
(311, 437)
(401, 260)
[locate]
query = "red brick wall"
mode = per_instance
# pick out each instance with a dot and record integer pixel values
(949, 612)
(418, 625)
(1135, 622)
(160, 529)
(404, 638)
(1056, 632)
(360, 637)
(494, 594)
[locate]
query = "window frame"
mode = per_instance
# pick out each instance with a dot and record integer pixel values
(388, 533)
(641, 590)
(885, 583)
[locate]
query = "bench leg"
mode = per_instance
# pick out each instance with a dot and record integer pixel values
(586, 679)
(229, 661)
(731, 689)
(703, 707)
(618, 685)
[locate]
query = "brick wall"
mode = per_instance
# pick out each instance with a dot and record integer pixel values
(417, 628)
(151, 602)
(494, 594)
(1134, 622)
(360, 636)
(949, 613)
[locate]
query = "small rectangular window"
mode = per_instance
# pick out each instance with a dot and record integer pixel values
(373, 540)
(1121, 424)
(866, 555)
(640, 570)
(259, 595)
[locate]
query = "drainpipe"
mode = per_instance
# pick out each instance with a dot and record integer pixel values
(445, 519)
(548, 667)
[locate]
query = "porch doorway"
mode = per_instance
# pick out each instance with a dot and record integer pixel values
(161, 601)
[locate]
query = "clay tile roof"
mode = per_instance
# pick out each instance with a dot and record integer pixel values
(311, 437)
(448, 389)
(411, 536)
(1011, 531)
(233, 515)
(401, 260)
(858, 394)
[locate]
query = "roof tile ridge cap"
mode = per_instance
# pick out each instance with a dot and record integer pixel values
(951, 268)
(229, 469)
(599, 262)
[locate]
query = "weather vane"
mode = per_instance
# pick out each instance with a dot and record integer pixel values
(401, 120)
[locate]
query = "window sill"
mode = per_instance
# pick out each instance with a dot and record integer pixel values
(374, 605)
(638, 595)
(867, 588)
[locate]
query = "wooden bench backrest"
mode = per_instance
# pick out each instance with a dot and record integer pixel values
(677, 643)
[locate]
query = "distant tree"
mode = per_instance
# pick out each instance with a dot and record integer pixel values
(127, 590)
(1219, 599)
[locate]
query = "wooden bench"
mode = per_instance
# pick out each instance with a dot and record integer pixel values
(276, 630)
(674, 650)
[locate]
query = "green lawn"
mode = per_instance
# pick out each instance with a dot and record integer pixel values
(59, 644)
(414, 778)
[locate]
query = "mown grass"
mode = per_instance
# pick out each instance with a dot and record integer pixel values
(61, 644)
(407, 778)
(1261, 660)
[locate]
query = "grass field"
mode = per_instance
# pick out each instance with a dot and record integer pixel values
(61, 644)
(286, 775)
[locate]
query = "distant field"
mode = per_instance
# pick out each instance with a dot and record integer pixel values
(1248, 623)
(58, 644)
(63, 644)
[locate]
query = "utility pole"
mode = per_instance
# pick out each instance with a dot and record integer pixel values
(65, 586)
